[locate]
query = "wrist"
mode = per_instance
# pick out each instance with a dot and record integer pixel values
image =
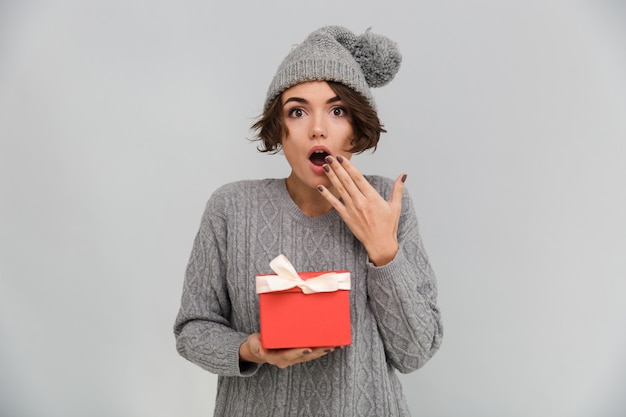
(245, 352)
(384, 255)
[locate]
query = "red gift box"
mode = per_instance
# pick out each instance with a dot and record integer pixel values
(313, 311)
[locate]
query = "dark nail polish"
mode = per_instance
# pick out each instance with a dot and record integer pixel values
(403, 178)
(329, 159)
(320, 188)
(340, 159)
(306, 351)
(326, 168)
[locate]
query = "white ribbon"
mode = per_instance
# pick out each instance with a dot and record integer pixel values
(286, 277)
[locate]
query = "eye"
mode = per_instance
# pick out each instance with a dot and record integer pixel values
(296, 112)
(339, 111)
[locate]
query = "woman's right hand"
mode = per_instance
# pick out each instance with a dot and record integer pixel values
(252, 351)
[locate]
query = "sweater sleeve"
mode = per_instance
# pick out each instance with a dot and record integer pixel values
(403, 298)
(203, 330)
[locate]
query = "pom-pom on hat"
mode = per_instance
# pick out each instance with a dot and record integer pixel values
(333, 53)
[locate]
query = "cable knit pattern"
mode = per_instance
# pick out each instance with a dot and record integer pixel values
(396, 324)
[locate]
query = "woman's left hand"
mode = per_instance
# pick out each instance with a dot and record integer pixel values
(372, 219)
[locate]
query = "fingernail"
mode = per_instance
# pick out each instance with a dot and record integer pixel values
(306, 351)
(320, 188)
(326, 168)
(340, 159)
(329, 159)
(403, 178)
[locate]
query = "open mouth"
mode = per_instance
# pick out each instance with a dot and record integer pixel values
(318, 157)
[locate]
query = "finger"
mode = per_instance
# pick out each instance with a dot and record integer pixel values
(315, 353)
(293, 356)
(261, 352)
(321, 351)
(341, 179)
(302, 355)
(286, 357)
(255, 347)
(356, 176)
(336, 203)
(307, 354)
(396, 194)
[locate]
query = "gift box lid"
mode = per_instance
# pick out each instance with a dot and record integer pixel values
(305, 276)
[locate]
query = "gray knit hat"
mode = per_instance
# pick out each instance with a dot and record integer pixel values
(333, 53)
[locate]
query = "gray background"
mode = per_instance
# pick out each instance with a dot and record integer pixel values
(119, 118)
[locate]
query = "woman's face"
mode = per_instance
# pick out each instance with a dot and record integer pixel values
(318, 125)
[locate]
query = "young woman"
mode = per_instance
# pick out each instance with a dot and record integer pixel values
(325, 215)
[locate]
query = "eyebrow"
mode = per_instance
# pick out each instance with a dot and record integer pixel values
(304, 101)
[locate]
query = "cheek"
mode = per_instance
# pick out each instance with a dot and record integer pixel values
(349, 135)
(349, 130)
(290, 148)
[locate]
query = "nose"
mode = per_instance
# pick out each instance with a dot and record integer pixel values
(318, 128)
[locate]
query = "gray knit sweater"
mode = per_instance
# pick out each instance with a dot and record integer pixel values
(396, 324)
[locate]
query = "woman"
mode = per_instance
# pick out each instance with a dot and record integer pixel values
(325, 215)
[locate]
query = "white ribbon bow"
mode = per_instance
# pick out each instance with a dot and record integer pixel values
(286, 277)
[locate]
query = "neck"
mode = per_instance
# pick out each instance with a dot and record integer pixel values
(308, 199)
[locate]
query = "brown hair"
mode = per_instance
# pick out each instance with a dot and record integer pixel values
(270, 126)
